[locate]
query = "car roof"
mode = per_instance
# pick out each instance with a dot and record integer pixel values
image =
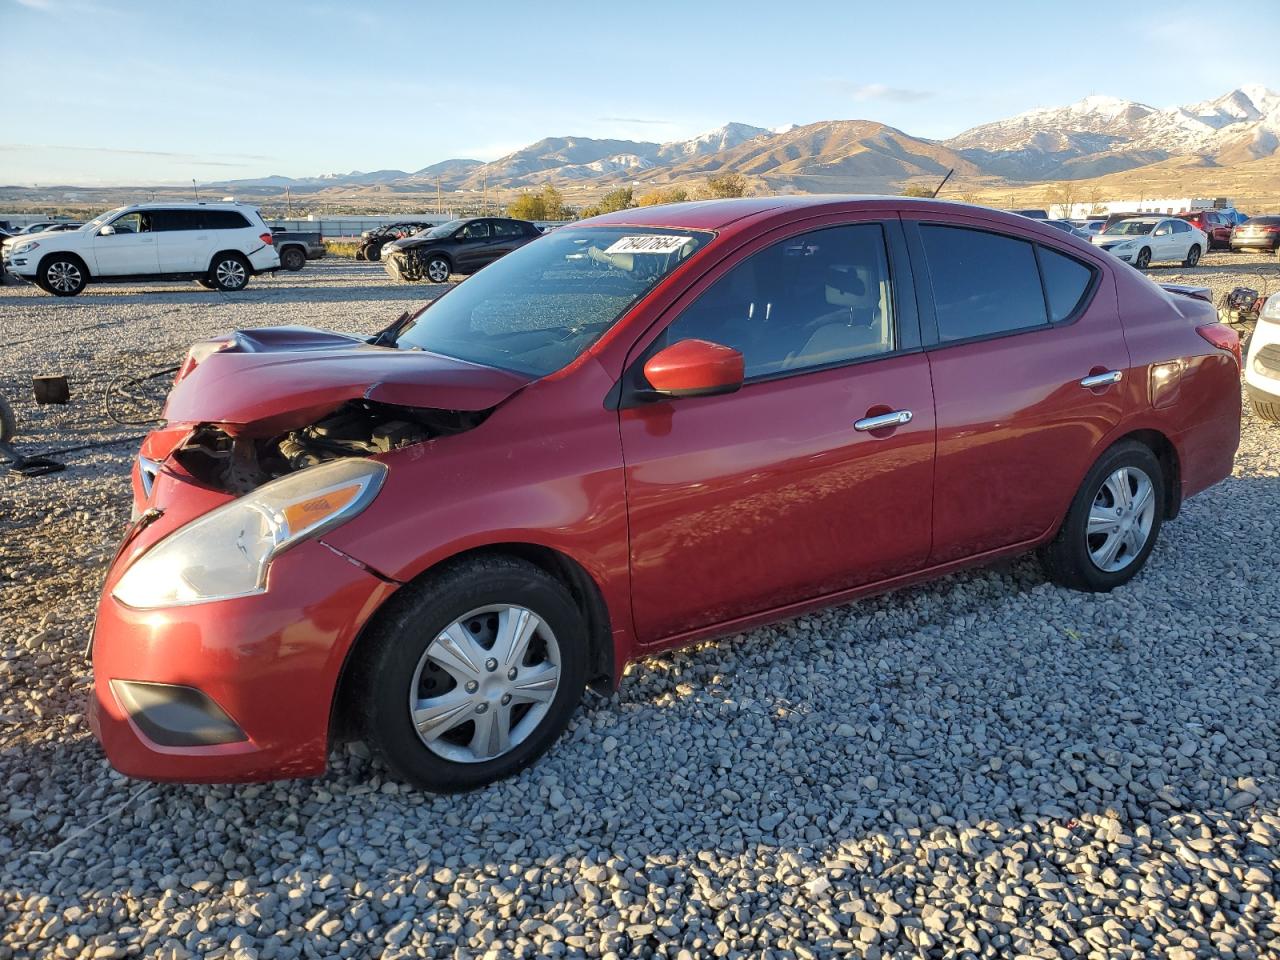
(188, 204)
(718, 214)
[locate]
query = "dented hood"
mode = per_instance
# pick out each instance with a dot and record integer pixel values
(264, 382)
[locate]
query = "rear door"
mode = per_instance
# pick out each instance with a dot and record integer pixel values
(1013, 330)
(507, 235)
(182, 240)
(786, 490)
(130, 250)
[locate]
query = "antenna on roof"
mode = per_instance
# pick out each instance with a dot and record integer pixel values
(195, 188)
(944, 180)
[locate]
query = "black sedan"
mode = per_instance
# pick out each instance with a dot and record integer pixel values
(459, 246)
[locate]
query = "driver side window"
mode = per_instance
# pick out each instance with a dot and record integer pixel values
(136, 222)
(815, 300)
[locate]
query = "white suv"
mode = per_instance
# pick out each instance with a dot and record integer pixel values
(1262, 366)
(219, 245)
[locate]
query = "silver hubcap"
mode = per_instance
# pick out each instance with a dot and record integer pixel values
(485, 684)
(438, 271)
(1120, 519)
(230, 273)
(63, 276)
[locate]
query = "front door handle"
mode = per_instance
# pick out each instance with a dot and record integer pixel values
(1102, 379)
(895, 419)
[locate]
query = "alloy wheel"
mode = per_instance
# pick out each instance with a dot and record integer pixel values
(1120, 519)
(64, 276)
(231, 274)
(485, 683)
(438, 271)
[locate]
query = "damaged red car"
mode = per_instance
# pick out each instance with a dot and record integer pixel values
(633, 433)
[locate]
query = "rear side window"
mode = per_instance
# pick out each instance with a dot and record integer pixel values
(983, 283)
(170, 220)
(1066, 281)
(507, 228)
(224, 220)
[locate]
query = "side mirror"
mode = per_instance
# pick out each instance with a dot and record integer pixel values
(107, 231)
(694, 368)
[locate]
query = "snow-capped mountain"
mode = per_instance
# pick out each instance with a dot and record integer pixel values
(714, 141)
(1101, 134)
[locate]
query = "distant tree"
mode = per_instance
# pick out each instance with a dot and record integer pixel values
(662, 195)
(1063, 196)
(553, 207)
(527, 206)
(619, 199)
(917, 190)
(727, 185)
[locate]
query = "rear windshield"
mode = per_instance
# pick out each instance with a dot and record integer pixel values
(537, 308)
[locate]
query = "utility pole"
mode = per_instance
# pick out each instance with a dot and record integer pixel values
(437, 195)
(288, 203)
(484, 197)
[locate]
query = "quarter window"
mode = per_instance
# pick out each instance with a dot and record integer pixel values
(817, 299)
(223, 220)
(1066, 281)
(983, 283)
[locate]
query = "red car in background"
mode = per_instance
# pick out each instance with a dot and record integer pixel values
(1216, 226)
(638, 431)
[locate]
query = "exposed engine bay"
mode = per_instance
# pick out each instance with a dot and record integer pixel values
(359, 428)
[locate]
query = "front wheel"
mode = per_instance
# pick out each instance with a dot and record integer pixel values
(438, 270)
(472, 675)
(373, 253)
(1112, 524)
(293, 259)
(1144, 259)
(230, 272)
(1193, 256)
(62, 276)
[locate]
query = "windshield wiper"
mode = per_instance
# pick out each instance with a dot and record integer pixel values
(386, 337)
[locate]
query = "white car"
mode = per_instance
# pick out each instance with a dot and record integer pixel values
(1144, 240)
(1262, 366)
(1091, 227)
(219, 245)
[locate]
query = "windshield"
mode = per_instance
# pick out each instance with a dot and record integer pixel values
(540, 306)
(1131, 227)
(102, 218)
(444, 230)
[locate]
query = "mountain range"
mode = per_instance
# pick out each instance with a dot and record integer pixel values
(1094, 136)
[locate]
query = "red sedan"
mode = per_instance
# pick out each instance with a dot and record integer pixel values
(633, 433)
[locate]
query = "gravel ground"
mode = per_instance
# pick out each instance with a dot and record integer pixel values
(986, 766)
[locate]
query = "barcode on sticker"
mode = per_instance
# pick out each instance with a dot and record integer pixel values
(648, 243)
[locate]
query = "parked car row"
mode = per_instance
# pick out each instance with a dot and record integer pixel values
(372, 241)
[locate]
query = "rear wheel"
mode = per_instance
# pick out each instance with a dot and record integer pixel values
(63, 276)
(230, 272)
(471, 675)
(1193, 256)
(373, 252)
(1144, 259)
(291, 258)
(1113, 521)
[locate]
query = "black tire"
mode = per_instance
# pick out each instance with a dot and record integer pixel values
(373, 252)
(1143, 259)
(396, 643)
(437, 268)
(292, 259)
(1067, 559)
(62, 275)
(1193, 256)
(1266, 411)
(8, 424)
(229, 272)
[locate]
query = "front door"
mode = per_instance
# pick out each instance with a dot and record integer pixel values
(789, 489)
(1022, 342)
(473, 247)
(129, 250)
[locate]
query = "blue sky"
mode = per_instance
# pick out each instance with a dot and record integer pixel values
(112, 91)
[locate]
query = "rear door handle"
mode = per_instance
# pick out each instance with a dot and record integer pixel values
(1102, 379)
(894, 419)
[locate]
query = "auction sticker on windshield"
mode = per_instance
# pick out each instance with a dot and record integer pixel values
(647, 243)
